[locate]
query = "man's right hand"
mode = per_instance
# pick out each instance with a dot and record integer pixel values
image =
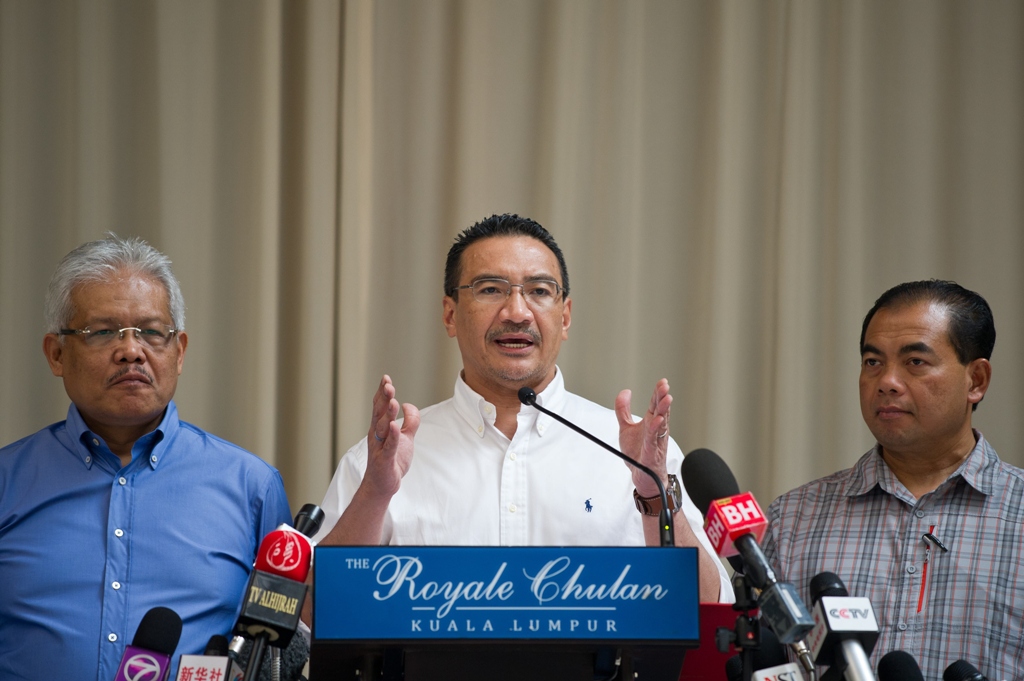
(388, 446)
(388, 457)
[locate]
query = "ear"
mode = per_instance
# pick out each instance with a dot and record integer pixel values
(182, 345)
(54, 351)
(448, 315)
(979, 376)
(566, 318)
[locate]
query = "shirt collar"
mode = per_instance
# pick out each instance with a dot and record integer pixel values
(977, 470)
(478, 412)
(152, 445)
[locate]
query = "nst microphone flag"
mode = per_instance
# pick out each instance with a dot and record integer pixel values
(732, 517)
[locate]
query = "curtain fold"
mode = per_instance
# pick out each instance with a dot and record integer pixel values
(733, 185)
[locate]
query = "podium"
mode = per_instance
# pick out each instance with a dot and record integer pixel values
(494, 613)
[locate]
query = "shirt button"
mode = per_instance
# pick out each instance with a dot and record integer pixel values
(153, 458)
(919, 514)
(88, 459)
(479, 429)
(512, 456)
(540, 429)
(911, 569)
(96, 442)
(512, 508)
(116, 585)
(901, 626)
(487, 409)
(122, 481)
(112, 637)
(119, 532)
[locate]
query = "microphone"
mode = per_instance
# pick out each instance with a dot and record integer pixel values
(734, 524)
(148, 658)
(845, 629)
(769, 661)
(898, 665)
(962, 670)
(277, 587)
(528, 397)
(213, 664)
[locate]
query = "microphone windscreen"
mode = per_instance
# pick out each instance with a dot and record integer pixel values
(217, 646)
(308, 519)
(962, 670)
(899, 665)
(707, 477)
(158, 631)
(826, 584)
(526, 395)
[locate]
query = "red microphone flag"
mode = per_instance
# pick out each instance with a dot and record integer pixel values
(285, 552)
(731, 518)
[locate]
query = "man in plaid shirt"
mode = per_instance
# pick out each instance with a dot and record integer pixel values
(929, 524)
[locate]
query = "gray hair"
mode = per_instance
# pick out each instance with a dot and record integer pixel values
(98, 261)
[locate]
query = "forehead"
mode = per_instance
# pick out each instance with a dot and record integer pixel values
(921, 322)
(119, 297)
(509, 257)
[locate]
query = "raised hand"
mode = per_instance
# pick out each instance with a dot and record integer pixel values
(389, 445)
(646, 440)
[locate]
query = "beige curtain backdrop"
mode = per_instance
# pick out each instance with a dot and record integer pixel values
(733, 184)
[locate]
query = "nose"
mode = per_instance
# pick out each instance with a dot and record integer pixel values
(890, 381)
(128, 347)
(515, 308)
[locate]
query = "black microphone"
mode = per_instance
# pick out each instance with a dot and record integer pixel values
(898, 665)
(149, 655)
(710, 480)
(845, 629)
(277, 587)
(528, 397)
(707, 477)
(213, 664)
(962, 670)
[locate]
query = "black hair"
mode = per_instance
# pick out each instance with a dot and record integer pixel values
(507, 224)
(971, 329)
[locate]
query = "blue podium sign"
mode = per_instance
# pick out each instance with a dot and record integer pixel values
(447, 594)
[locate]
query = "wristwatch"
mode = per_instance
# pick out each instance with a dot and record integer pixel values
(652, 505)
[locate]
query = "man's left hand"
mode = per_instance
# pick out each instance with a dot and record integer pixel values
(646, 441)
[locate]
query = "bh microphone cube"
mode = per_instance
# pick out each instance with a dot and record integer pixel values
(732, 517)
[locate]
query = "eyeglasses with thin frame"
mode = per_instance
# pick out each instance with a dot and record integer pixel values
(538, 293)
(154, 336)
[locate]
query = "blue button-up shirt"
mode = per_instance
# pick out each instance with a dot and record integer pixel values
(88, 547)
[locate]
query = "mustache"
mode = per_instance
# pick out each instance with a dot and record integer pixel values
(124, 371)
(524, 329)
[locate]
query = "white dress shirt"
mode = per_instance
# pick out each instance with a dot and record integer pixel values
(470, 485)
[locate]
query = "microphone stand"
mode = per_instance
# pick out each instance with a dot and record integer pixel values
(668, 538)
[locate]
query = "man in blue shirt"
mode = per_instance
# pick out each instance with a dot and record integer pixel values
(121, 507)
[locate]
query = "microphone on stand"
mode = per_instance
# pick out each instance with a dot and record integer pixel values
(769, 663)
(898, 665)
(734, 524)
(962, 670)
(214, 663)
(845, 629)
(277, 587)
(528, 397)
(149, 655)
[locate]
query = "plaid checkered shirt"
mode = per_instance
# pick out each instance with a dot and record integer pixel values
(940, 606)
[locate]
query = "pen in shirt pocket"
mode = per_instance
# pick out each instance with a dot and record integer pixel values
(928, 538)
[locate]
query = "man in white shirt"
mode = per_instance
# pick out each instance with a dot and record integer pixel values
(488, 470)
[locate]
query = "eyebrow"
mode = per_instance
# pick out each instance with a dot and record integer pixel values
(535, 277)
(907, 349)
